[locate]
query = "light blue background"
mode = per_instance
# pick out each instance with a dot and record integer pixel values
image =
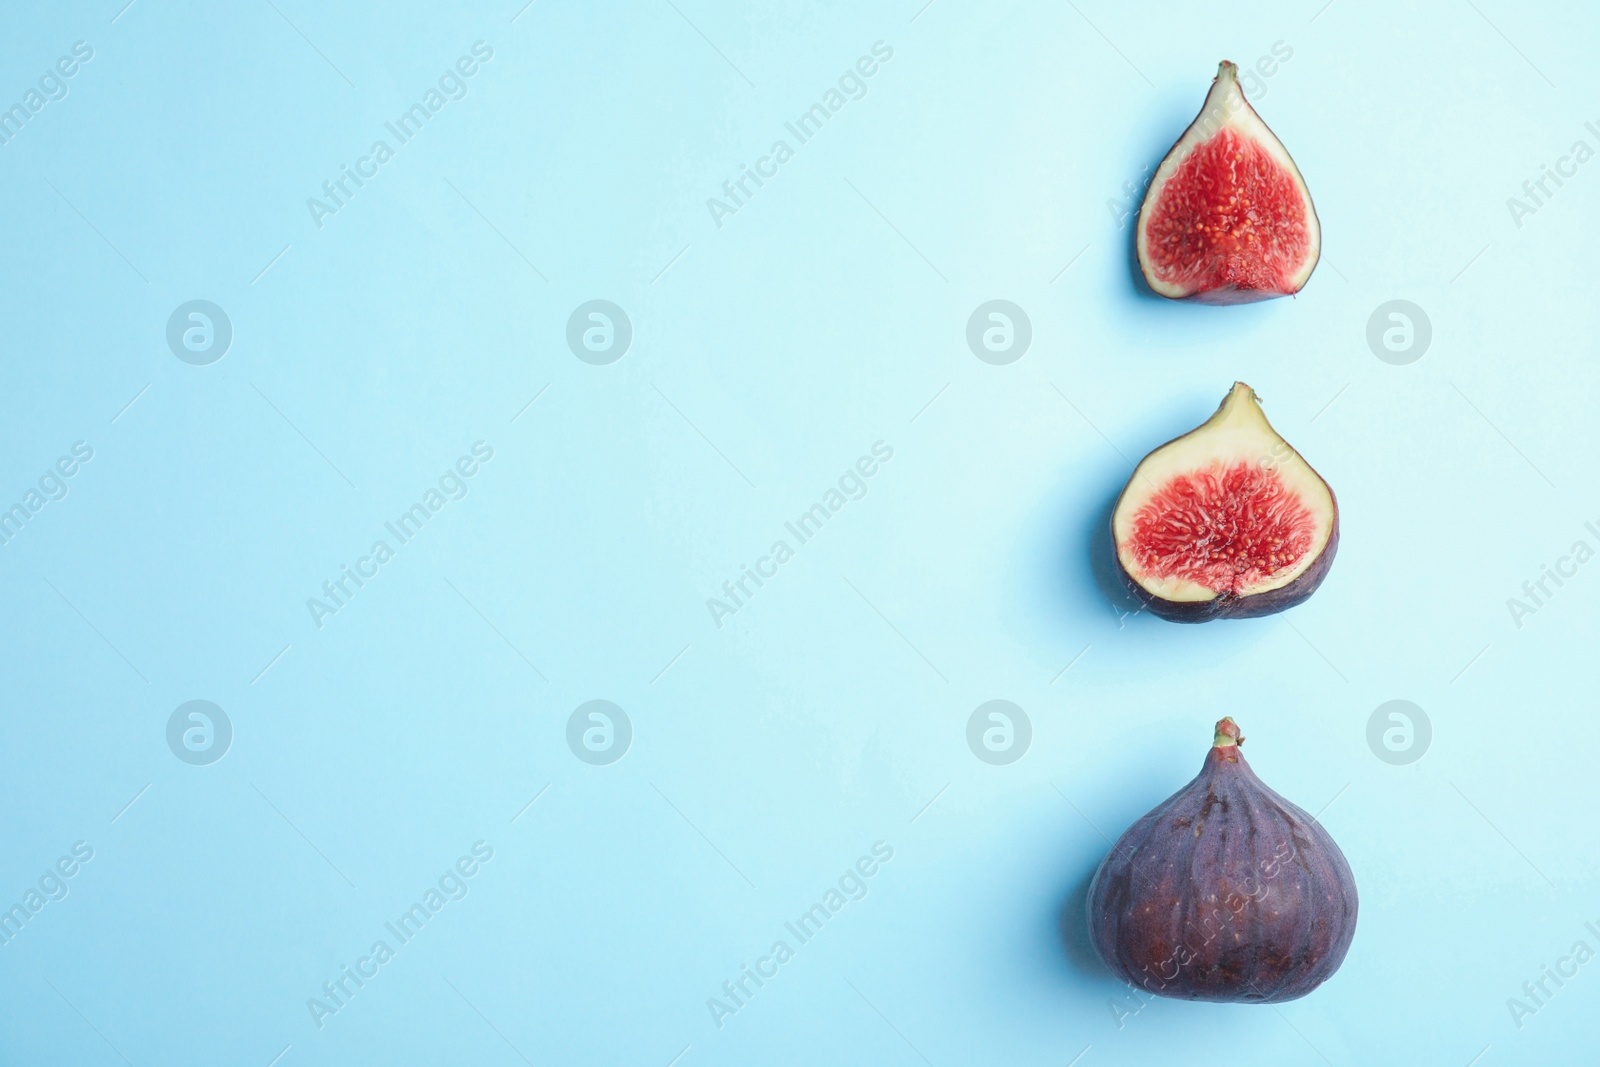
(830, 713)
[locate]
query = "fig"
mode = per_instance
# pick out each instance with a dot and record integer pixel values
(1225, 892)
(1225, 522)
(1227, 218)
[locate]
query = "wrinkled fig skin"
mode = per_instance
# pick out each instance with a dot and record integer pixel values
(1228, 606)
(1229, 297)
(1225, 892)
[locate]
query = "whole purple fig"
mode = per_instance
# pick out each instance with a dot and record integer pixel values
(1226, 891)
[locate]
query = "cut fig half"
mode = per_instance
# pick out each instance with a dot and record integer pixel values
(1225, 522)
(1227, 218)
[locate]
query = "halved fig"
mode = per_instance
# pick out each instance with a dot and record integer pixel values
(1227, 218)
(1225, 522)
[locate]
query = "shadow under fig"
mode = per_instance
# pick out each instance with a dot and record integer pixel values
(1103, 555)
(1072, 925)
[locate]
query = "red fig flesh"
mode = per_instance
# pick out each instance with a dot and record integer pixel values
(1227, 218)
(1227, 521)
(1224, 892)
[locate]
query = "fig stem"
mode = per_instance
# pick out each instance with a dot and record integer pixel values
(1227, 735)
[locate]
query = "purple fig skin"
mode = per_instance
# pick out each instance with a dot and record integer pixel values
(1225, 892)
